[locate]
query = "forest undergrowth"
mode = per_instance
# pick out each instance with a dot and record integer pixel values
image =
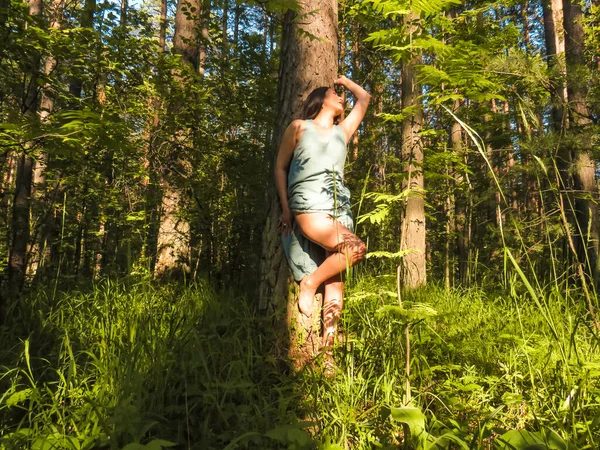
(133, 365)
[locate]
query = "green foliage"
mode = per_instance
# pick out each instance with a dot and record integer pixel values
(132, 365)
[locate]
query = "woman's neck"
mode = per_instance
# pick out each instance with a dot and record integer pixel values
(324, 119)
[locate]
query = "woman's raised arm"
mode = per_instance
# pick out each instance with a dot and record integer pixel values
(350, 124)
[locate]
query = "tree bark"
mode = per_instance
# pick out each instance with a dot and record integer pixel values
(305, 65)
(17, 264)
(86, 20)
(554, 35)
(412, 235)
(40, 190)
(187, 26)
(173, 240)
(581, 152)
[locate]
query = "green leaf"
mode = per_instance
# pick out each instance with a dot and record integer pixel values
(19, 397)
(413, 417)
(134, 446)
(159, 444)
(412, 311)
(511, 398)
(528, 440)
(390, 255)
(290, 434)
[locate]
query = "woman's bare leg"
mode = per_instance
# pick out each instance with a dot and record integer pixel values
(332, 308)
(345, 247)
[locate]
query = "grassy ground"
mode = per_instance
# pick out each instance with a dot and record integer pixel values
(130, 365)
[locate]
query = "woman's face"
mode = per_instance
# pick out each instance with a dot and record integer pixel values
(333, 101)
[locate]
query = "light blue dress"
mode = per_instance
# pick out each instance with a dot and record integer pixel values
(316, 184)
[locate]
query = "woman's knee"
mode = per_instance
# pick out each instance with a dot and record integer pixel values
(354, 249)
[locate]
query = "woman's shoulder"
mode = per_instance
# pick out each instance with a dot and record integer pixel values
(298, 125)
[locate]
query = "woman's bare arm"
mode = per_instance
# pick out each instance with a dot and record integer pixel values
(284, 156)
(350, 124)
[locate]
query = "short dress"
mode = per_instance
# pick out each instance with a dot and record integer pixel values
(316, 184)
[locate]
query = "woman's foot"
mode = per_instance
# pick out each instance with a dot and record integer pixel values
(306, 298)
(328, 338)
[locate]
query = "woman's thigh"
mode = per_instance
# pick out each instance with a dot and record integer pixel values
(325, 231)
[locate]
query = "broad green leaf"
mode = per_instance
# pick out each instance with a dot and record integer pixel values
(528, 440)
(19, 397)
(159, 444)
(134, 446)
(510, 399)
(413, 417)
(290, 434)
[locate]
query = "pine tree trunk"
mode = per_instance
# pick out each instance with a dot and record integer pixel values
(187, 23)
(204, 35)
(17, 264)
(224, 29)
(173, 240)
(152, 183)
(584, 170)
(40, 194)
(305, 65)
(554, 35)
(412, 235)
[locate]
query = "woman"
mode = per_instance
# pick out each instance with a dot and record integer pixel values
(314, 201)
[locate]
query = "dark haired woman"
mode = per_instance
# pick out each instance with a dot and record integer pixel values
(316, 216)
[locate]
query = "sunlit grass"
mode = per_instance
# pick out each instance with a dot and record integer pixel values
(131, 363)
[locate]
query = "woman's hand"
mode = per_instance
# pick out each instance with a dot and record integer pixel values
(341, 81)
(285, 222)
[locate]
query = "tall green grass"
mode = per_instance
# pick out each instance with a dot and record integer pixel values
(127, 364)
(132, 365)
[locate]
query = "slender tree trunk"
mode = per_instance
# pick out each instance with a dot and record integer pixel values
(39, 188)
(305, 65)
(17, 265)
(355, 72)
(236, 23)
(525, 20)
(584, 170)
(412, 235)
(224, 25)
(86, 20)
(173, 241)
(460, 204)
(153, 196)
(204, 20)
(554, 36)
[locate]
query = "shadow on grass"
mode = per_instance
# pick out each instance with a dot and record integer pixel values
(133, 362)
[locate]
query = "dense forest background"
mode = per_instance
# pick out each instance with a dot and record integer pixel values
(136, 151)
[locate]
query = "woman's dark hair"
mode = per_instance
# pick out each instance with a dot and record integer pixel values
(314, 103)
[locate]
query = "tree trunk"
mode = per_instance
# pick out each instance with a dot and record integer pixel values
(456, 201)
(152, 183)
(173, 240)
(187, 25)
(205, 22)
(17, 264)
(224, 29)
(554, 35)
(584, 170)
(305, 65)
(173, 250)
(236, 23)
(412, 235)
(40, 190)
